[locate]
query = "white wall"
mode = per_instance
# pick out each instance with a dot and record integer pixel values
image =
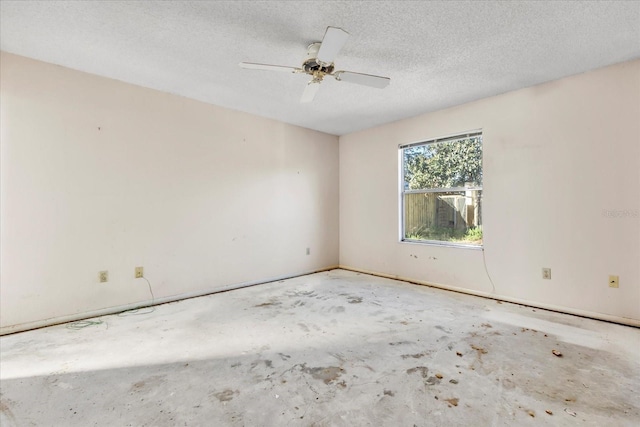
(101, 175)
(556, 156)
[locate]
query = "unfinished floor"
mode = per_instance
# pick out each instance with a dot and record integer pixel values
(336, 348)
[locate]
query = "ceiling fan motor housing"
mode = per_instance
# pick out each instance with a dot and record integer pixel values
(311, 65)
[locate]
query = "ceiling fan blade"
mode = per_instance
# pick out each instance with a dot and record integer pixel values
(254, 66)
(333, 40)
(362, 79)
(310, 91)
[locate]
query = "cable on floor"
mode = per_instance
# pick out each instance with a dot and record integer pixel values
(138, 311)
(76, 326)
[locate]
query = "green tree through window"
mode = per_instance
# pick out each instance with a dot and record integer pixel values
(444, 165)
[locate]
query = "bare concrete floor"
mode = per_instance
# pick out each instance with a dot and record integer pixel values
(330, 349)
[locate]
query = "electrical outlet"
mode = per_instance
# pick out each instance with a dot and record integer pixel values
(308, 251)
(139, 273)
(103, 276)
(546, 273)
(613, 281)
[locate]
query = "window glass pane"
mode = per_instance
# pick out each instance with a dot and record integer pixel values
(447, 164)
(454, 217)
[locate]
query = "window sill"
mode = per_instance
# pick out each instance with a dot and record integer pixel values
(442, 244)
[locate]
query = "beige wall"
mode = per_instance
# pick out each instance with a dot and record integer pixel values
(103, 175)
(556, 158)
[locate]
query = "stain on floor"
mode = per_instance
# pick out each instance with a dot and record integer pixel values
(225, 395)
(453, 401)
(422, 370)
(326, 375)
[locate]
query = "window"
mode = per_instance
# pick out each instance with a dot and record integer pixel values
(441, 190)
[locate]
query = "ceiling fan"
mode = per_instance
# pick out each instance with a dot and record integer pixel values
(319, 64)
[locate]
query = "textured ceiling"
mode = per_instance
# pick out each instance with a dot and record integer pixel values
(437, 54)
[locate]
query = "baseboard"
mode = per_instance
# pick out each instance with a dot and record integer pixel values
(12, 329)
(5, 330)
(560, 309)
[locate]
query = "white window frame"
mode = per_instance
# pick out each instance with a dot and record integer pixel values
(403, 191)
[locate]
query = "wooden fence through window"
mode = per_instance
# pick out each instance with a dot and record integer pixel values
(441, 210)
